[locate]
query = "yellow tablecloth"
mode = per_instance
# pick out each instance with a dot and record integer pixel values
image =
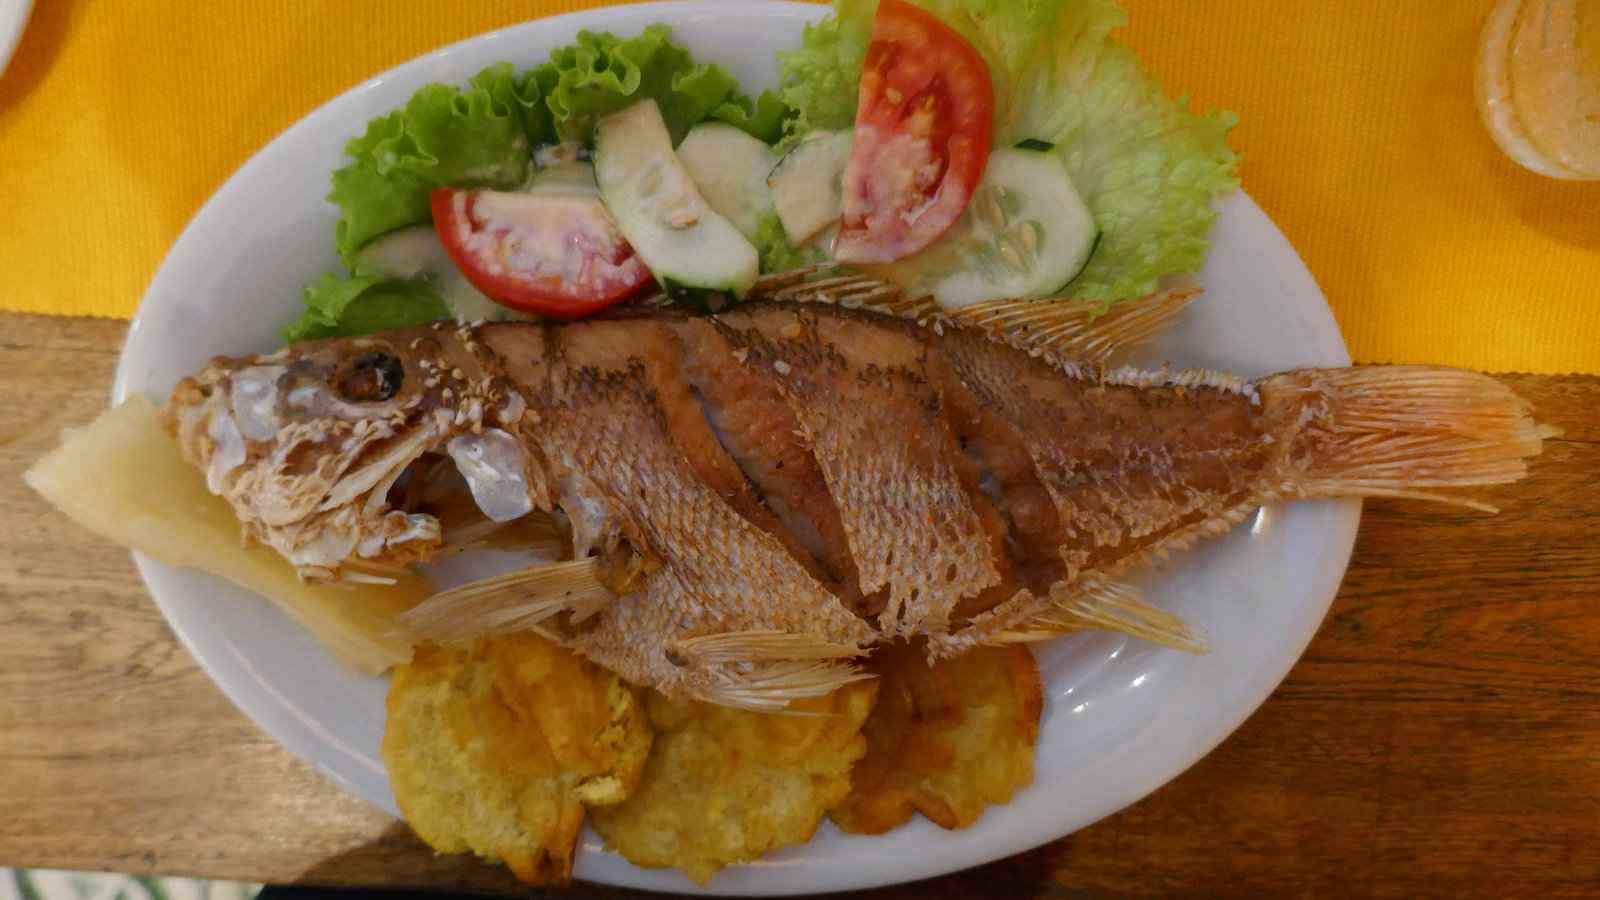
(117, 119)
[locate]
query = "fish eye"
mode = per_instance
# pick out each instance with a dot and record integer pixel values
(369, 378)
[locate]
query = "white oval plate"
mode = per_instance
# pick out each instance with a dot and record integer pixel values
(13, 20)
(1121, 719)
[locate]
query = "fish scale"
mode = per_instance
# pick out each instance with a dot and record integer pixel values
(606, 420)
(755, 424)
(876, 427)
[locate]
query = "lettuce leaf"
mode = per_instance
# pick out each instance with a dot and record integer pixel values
(602, 73)
(777, 254)
(481, 135)
(764, 119)
(1147, 167)
(818, 81)
(362, 304)
(445, 136)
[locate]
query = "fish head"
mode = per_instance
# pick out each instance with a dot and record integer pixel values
(330, 451)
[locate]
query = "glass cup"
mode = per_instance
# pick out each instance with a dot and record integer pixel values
(1539, 84)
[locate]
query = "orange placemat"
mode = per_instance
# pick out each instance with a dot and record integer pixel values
(117, 120)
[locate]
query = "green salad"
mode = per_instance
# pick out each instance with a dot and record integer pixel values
(972, 149)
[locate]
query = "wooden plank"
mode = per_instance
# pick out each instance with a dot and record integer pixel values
(1437, 738)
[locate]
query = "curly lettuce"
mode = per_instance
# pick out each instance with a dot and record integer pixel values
(603, 73)
(445, 136)
(482, 135)
(363, 304)
(819, 80)
(1147, 167)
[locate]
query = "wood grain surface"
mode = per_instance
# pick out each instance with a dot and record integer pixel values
(1440, 737)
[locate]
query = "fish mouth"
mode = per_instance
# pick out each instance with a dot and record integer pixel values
(474, 503)
(477, 495)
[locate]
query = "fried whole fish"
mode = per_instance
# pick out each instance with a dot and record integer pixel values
(754, 498)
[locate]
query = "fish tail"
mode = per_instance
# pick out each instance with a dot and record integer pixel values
(1403, 431)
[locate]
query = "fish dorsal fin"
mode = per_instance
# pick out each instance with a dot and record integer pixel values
(1080, 330)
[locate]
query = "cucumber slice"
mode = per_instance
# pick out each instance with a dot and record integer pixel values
(808, 184)
(567, 178)
(1025, 234)
(730, 168)
(685, 242)
(548, 156)
(415, 253)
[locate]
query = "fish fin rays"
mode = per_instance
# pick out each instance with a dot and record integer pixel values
(1105, 605)
(1092, 604)
(1089, 331)
(766, 669)
(526, 599)
(771, 686)
(761, 646)
(849, 291)
(1079, 330)
(1406, 431)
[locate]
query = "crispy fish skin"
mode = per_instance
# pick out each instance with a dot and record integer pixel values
(1122, 463)
(938, 480)
(729, 785)
(859, 390)
(498, 748)
(606, 415)
(947, 740)
(750, 416)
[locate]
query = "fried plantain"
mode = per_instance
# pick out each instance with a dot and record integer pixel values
(726, 785)
(497, 748)
(947, 740)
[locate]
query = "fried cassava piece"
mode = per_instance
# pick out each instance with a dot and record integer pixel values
(122, 478)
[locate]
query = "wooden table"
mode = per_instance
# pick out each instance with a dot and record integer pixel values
(1441, 736)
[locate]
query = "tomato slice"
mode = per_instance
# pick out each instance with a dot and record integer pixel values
(558, 255)
(924, 124)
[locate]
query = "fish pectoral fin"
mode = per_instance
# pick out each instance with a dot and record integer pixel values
(1103, 605)
(523, 600)
(769, 687)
